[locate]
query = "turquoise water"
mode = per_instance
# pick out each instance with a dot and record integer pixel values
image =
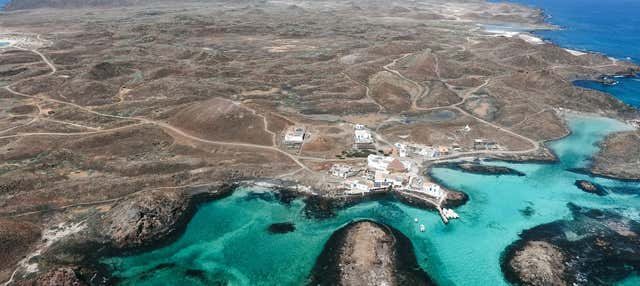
(226, 241)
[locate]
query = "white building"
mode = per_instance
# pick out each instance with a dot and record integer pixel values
(362, 136)
(402, 150)
(431, 189)
(295, 135)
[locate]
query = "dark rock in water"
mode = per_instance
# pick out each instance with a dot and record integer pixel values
(590, 187)
(368, 253)
(595, 248)
(284, 227)
(196, 273)
(283, 196)
(163, 266)
(528, 211)
(482, 169)
(319, 207)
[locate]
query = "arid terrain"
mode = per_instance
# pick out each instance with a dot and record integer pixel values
(102, 100)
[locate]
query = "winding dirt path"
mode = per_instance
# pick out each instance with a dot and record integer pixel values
(141, 120)
(456, 106)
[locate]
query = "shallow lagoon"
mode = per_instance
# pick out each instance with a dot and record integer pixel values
(227, 240)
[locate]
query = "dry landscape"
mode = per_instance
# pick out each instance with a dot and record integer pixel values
(102, 101)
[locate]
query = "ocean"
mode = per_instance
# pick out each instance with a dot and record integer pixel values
(609, 27)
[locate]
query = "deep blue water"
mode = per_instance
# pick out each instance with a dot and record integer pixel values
(627, 89)
(610, 27)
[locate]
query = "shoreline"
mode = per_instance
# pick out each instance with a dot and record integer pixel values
(317, 207)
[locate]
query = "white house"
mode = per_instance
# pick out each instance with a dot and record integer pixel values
(402, 149)
(362, 136)
(295, 135)
(432, 189)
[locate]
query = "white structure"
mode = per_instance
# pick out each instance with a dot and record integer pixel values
(342, 171)
(431, 189)
(362, 136)
(295, 135)
(467, 128)
(402, 150)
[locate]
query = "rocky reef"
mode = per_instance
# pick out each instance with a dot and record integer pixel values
(595, 248)
(591, 187)
(481, 169)
(280, 228)
(368, 253)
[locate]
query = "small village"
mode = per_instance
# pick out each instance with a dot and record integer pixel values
(395, 168)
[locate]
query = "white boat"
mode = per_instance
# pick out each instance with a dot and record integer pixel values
(415, 219)
(422, 228)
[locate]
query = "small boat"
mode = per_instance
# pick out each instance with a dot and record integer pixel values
(422, 228)
(415, 219)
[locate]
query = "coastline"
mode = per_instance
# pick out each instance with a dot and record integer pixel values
(316, 207)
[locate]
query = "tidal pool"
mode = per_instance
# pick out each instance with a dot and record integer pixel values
(227, 240)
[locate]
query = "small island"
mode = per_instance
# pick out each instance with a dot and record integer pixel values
(368, 253)
(566, 252)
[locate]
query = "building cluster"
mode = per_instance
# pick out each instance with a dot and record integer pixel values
(384, 173)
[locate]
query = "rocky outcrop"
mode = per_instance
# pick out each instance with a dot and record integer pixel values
(148, 217)
(539, 263)
(595, 248)
(368, 253)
